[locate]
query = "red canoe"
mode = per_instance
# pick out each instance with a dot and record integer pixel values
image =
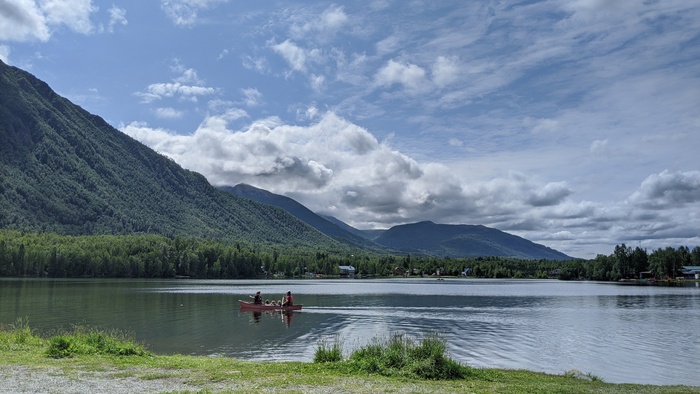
(270, 307)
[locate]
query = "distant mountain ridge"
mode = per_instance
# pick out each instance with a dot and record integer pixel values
(65, 170)
(447, 240)
(423, 238)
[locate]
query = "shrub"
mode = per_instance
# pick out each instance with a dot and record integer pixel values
(93, 341)
(61, 347)
(400, 355)
(328, 353)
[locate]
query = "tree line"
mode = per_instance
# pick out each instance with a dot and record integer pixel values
(628, 263)
(34, 254)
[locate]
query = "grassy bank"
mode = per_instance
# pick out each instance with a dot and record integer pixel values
(397, 365)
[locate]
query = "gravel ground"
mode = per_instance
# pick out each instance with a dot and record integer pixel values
(19, 379)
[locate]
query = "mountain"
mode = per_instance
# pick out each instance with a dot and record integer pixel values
(426, 238)
(463, 240)
(65, 170)
(360, 233)
(302, 213)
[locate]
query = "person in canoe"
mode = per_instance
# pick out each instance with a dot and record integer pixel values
(288, 299)
(257, 298)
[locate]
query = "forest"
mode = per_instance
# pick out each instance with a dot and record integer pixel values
(31, 254)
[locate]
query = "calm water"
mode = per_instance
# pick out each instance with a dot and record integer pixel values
(619, 333)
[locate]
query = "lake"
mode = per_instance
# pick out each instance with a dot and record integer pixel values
(620, 333)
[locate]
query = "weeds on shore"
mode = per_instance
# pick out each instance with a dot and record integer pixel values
(326, 353)
(398, 356)
(86, 341)
(17, 335)
(80, 341)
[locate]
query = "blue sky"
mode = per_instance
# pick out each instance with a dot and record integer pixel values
(575, 124)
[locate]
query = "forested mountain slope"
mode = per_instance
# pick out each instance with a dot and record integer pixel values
(65, 170)
(302, 213)
(464, 241)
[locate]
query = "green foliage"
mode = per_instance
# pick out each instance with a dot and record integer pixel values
(326, 353)
(401, 356)
(626, 262)
(157, 256)
(84, 341)
(17, 336)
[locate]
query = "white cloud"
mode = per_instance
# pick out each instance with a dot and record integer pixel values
(296, 56)
(388, 45)
(258, 64)
(456, 142)
(336, 167)
(411, 76)
(186, 12)
(186, 87)
(158, 91)
(542, 125)
(117, 16)
(317, 82)
(159, 139)
(599, 147)
(26, 20)
(22, 20)
(4, 53)
(73, 13)
(329, 22)
(333, 157)
(445, 71)
(252, 97)
(668, 190)
(168, 113)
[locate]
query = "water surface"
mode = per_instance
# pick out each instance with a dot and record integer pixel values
(620, 333)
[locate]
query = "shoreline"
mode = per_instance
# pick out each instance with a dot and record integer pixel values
(99, 362)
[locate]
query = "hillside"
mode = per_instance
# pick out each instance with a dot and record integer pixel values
(463, 241)
(65, 170)
(302, 213)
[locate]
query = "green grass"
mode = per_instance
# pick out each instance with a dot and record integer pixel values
(326, 353)
(399, 355)
(89, 341)
(397, 365)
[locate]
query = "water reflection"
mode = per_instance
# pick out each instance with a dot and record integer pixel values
(285, 317)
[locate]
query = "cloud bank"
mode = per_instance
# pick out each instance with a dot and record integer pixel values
(338, 168)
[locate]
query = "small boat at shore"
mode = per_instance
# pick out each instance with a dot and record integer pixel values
(267, 307)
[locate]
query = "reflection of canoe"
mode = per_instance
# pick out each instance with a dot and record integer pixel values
(262, 307)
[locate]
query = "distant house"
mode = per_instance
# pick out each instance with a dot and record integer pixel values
(346, 271)
(691, 272)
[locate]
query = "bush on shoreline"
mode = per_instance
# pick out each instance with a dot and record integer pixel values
(398, 356)
(86, 341)
(80, 341)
